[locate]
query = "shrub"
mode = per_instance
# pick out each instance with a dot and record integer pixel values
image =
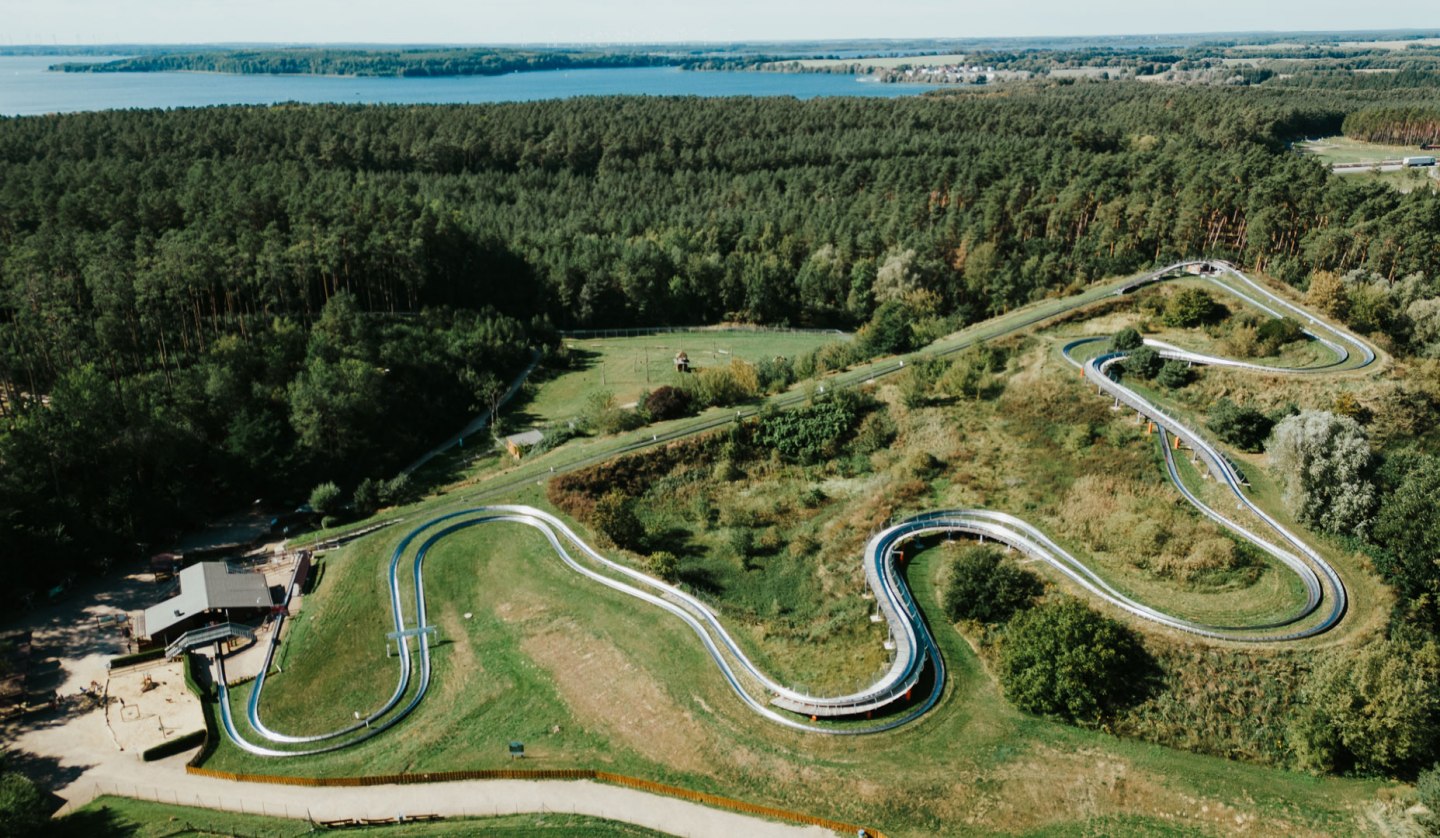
(553, 437)
(329, 522)
(1276, 332)
(1244, 427)
(1324, 460)
(22, 806)
(367, 497)
(1064, 659)
(1373, 711)
(1126, 340)
(605, 417)
(667, 403)
(325, 498)
(811, 433)
(985, 588)
(1427, 789)
(721, 386)
(614, 517)
(1190, 307)
(775, 374)
(1173, 374)
(1143, 363)
(888, 331)
(665, 565)
(395, 491)
(875, 433)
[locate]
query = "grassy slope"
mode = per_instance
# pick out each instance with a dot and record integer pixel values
(975, 765)
(543, 649)
(627, 366)
(144, 819)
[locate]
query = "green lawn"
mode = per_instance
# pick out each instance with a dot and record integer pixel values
(121, 816)
(1333, 150)
(629, 366)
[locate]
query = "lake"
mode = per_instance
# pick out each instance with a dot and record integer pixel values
(27, 87)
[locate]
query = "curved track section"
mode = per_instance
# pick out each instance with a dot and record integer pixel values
(917, 662)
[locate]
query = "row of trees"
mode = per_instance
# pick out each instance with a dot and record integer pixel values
(1418, 125)
(355, 62)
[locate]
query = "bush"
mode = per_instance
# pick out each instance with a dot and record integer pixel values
(174, 746)
(1276, 332)
(1143, 363)
(665, 565)
(1372, 711)
(553, 437)
(985, 588)
(727, 385)
(325, 498)
(1126, 340)
(775, 374)
(1244, 427)
(888, 331)
(811, 433)
(667, 403)
(605, 417)
(1427, 788)
(614, 517)
(875, 433)
(1190, 307)
(1173, 374)
(1064, 659)
(395, 491)
(22, 806)
(329, 522)
(367, 497)
(1323, 461)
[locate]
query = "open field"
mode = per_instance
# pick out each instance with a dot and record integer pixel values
(1336, 150)
(1390, 45)
(122, 816)
(1407, 180)
(628, 366)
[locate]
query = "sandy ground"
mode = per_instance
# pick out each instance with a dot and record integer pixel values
(88, 747)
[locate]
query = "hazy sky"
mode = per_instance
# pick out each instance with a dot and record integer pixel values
(540, 21)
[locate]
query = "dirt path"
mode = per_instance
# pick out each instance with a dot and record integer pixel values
(167, 784)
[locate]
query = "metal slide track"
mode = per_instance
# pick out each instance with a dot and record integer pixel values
(915, 648)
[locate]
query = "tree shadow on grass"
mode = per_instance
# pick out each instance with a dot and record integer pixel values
(701, 579)
(675, 540)
(99, 821)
